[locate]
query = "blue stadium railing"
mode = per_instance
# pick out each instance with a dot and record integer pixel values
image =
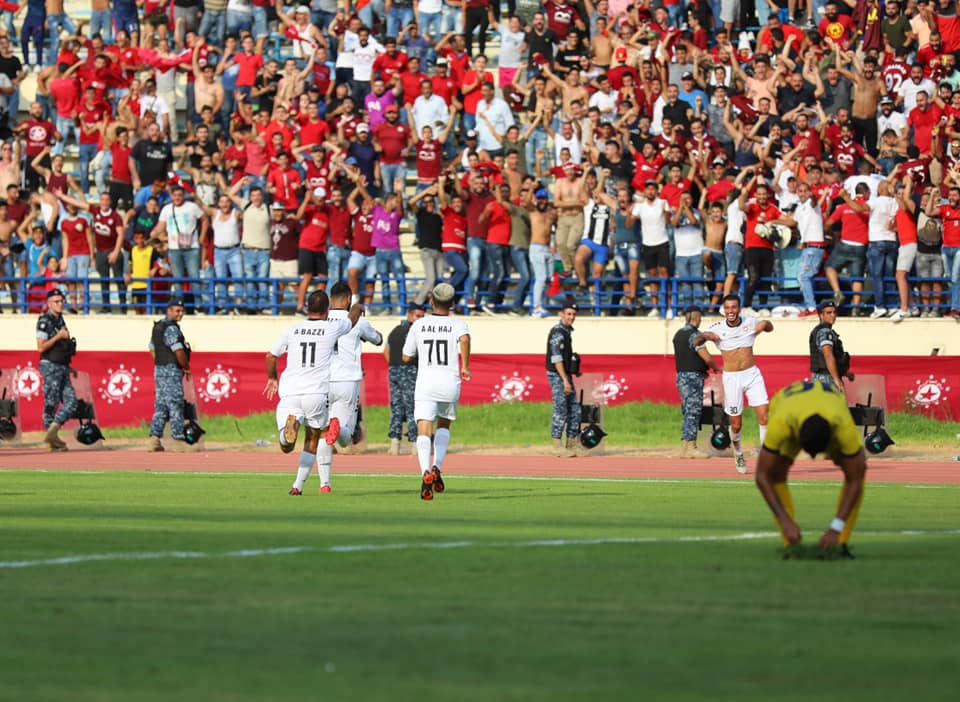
(604, 295)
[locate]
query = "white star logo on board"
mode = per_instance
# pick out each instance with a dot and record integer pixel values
(119, 385)
(218, 384)
(512, 388)
(29, 382)
(613, 387)
(931, 391)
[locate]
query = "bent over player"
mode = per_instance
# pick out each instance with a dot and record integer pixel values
(812, 416)
(304, 386)
(441, 344)
(734, 336)
(346, 370)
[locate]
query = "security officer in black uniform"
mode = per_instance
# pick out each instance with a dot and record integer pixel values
(828, 361)
(692, 364)
(171, 355)
(562, 364)
(56, 348)
(403, 380)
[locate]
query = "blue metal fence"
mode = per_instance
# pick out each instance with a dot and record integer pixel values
(211, 296)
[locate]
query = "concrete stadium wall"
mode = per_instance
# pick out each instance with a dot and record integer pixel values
(502, 335)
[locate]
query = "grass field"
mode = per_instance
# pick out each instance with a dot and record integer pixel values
(662, 591)
(633, 424)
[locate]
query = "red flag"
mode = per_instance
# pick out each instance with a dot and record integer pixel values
(555, 287)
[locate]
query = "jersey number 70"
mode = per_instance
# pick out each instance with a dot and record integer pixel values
(442, 352)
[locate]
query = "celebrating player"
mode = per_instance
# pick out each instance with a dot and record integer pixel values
(346, 371)
(735, 336)
(435, 340)
(305, 385)
(812, 416)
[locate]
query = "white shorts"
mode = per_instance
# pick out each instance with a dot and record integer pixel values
(738, 383)
(344, 400)
(429, 410)
(308, 409)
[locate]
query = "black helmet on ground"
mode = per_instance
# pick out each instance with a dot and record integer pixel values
(592, 436)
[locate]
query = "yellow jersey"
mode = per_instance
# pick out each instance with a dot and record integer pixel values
(141, 261)
(794, 404)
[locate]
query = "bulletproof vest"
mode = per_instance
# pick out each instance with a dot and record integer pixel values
(818, 363)
(685, 357)
(566, 347)
(162, 353)
(62, 351)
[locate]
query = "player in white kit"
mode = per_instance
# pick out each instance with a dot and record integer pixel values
(441, 345)
(346, 371)
(305, 385)
(735, 336)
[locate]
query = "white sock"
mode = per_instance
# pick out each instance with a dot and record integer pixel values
(763, 433)
(324, 462)
(346, 433)
(441, 441)
(735, 438)
(423, 453)
(354, 299)
(304, 468)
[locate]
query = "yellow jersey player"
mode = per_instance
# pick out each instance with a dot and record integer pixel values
(812, 416)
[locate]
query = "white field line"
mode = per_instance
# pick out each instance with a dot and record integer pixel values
(733, 481)
(443, 545)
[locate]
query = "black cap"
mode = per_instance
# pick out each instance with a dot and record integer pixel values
(825, 305)
(175, 302)
(690, 309)
(415, 307)
(570, 303)
(55, 292)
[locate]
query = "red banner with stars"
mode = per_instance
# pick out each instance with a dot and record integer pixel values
(232, 383)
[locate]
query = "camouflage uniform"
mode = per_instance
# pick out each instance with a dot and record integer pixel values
(403, 380)
(55, 371)
(168, 392)
(566, 408)
(690, 387)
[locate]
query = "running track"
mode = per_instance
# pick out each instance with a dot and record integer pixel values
(131, 459)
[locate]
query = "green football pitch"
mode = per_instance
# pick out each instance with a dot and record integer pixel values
(122, 586)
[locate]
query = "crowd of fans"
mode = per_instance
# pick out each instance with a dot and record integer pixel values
(654, 153)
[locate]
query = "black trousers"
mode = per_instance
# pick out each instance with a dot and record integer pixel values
(476, 17)
(106, 270)
(759, 264)
(867, 133)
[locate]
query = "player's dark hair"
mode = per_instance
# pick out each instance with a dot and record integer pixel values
(318, 302)
(733, 297)
(814, 434)
(340, 290)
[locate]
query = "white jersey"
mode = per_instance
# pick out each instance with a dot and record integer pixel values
(741, 336)
(309, 347)
(435, 341)
(346, 366)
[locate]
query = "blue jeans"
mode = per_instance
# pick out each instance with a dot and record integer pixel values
(226, 263)
(678, 12)
(87, 152)
(260, 27)
(881, 261)
(458, 262)
(477, 256)
(8, 23)
(32, 29)
(54, 24)
(451, 19)
(522, 265)
(391, 261)
(366, 14)
(322, 19)
(213, 26)
(337, 258)
(102, 21)
(66, 126)
(469, 121)
(397, 19)
(951, 268)
(185, 263)
(691, 292)
(537, 141)
(497, 257)
(13, 105)
(431, 21)
(239, 21)
(763, 12)
(389, 172)
(541, 261)
(256, 264)
(811, 259)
